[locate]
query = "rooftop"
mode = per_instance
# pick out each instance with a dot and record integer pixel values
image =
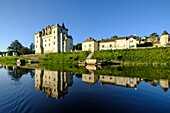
(90, 40)
(165, 33)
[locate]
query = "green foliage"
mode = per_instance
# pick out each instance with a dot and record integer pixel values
(146, 44)
(77, 47)
(149, 55)
(63, 57)
(32, 47)
(115, 37)
(15, 46)
(25, 50)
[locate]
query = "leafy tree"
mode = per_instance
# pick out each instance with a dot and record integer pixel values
(115, 37)
(25, 50)
(153, 37)
(15, 46)
(32, 47)
(77, 46)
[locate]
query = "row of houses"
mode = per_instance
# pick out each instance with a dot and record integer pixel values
(128, 42)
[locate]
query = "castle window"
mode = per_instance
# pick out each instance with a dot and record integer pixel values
(54, 79)
(89, 45)
(110, 45)
(45, 40)
(49, 44)
(49, 77)
(45, 45)
(37, 36)
(54, 37)
(49, 39)
(36, 46)
(37, 41)
(54, 31)
(54, 43)
(54, 90)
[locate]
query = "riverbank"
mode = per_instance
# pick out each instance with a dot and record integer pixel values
(51, 58)
(155, 56)
(148, 56)
(72, 57)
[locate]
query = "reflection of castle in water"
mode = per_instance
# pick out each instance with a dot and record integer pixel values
(53, 83)
(90, 78)
(130, 82)
(120, 81)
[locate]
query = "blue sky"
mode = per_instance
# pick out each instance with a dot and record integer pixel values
(19, 19)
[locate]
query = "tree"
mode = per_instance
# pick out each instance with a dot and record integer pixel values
(114, 37)
(153, 37)
(32, 47)
(15, 46)
(24, 50)
(77, 46)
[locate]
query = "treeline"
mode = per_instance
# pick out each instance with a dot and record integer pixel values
(148, 56)
(16, 46)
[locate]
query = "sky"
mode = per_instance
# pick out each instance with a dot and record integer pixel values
(20, 19)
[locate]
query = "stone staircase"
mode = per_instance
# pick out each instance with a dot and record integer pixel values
(89, 55)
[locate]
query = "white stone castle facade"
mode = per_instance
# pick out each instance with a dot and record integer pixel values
(53, 39)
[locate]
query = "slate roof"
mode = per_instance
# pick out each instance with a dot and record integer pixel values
(108, 40)
(90, 40)
(165, 33)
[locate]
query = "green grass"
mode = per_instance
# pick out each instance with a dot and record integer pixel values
(150, 55)
(71, 57)
(11, 59)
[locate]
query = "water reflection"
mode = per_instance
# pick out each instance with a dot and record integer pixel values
(90, 78)
(120, 81)
(16, 72)
(53, 83)
(56, 83)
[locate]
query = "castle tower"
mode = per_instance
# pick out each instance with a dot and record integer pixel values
(164, 39)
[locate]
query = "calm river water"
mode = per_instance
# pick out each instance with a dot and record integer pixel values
(46, 91)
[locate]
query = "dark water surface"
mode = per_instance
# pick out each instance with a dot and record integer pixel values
(46, 91)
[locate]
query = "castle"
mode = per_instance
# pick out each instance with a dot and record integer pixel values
(53, 39)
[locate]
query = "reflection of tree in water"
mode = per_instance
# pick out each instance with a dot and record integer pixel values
(16, 72)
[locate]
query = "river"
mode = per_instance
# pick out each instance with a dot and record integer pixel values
(39, 90)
